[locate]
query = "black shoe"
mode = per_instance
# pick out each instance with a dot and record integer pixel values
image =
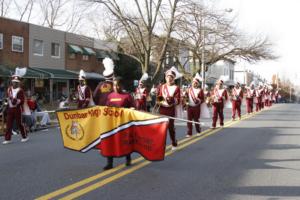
(108, 166)
(128, 162)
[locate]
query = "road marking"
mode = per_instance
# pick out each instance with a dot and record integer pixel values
(100, 175)
(185, 142)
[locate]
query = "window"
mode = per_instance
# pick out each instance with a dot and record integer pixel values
(1, 40)
(17, 43)
(38, 47)
(55, 50)
(85, 57)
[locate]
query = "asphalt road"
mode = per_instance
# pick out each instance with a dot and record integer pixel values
(255, 158)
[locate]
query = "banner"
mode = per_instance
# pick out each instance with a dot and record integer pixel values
(116, 131)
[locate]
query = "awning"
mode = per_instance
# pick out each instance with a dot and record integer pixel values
(92, 75)
(6, 71)
(58, 73)
(32, 73)
(114, 55)
(102, 54)
(74, 49)
(88, 51)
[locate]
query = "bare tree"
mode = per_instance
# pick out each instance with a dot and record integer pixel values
(63, 14)
(212, 33)
(138, 26)
(4, 7)
(24, 7)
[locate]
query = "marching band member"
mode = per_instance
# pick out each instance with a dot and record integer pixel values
(236, 99)
(141, 94)
(168, 97)
(118, 99)
(259, 95)
(194, 96)
(266, 95)
(271, 96)
(84, 91)
(218, 97)
(250, 94)
(276, 95)
(105, 88)
(16, 99)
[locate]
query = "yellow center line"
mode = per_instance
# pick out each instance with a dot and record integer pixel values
(101, 183)
(97, 176)
(191, 140)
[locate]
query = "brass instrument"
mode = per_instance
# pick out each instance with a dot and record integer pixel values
(159, 100)
(185, 101)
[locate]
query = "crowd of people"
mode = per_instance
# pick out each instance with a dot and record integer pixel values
(166, 99)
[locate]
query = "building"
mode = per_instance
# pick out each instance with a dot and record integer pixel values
(220, 68)
(13, 42)
(53, 58)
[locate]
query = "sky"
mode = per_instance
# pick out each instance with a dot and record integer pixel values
(279, 21)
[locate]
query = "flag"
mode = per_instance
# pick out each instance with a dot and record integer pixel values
(116, 131)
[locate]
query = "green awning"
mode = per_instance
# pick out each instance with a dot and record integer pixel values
(114, 55)
(6, 71)
(102, 54)
(92, 76)
(74, 49)
(58, 73)
(88, 51)
(32, 73)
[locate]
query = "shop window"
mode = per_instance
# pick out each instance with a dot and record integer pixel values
(38, 47)
(17, 43)
(1, 40)
(85, 57)
(55, 50)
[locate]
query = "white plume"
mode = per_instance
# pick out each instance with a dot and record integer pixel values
(197, 76)
(82, 73)
(109, 66)
(224, 78)
(178, 75)
(144, 77)
(20, 71)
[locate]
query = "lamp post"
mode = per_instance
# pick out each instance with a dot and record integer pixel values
(228, 10)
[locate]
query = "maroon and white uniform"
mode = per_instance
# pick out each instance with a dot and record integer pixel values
(123, 100)
(84, 96)
(250, 94)
(140, 95)
(102, 91)
(171, 97)
(267, 97)
(219, 97)
(16, 98)
(258, 101)
(195, 97)
(236, 100)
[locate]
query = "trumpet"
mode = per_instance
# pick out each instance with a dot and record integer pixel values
(159, 99)
(185, 101)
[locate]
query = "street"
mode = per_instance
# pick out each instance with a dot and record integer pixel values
(255, 158)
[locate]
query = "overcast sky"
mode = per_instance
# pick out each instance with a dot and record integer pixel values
(279, 20)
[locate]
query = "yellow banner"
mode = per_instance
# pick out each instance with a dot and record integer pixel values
(82, 129)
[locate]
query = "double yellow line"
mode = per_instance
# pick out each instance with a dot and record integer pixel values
(141, 163)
